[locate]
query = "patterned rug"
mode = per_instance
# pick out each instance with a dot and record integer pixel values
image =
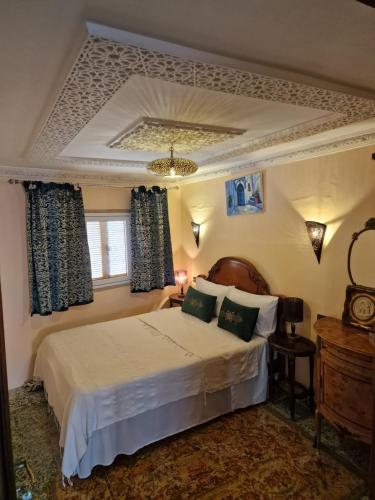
(351, 452)
(249, 454)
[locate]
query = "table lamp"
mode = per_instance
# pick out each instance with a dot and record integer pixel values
(293, 313)
(181, 278)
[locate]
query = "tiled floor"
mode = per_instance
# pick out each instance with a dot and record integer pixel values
(247, 454)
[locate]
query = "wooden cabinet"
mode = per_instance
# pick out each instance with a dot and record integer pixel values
(7, 484)
(344, 378)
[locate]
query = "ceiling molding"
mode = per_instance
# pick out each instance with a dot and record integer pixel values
(284, 158)
(49, 175)
(100, 162)
(312, 127)
(74, 162)
(103, 66)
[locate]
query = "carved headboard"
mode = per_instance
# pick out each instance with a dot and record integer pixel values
(244, 276)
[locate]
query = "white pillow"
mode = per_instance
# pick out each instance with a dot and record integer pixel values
(219, 291)
(267, 318)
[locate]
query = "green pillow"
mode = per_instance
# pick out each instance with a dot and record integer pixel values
(238, 319)
(199, 304)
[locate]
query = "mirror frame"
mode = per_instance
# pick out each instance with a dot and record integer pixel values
(369, 226)
(356, 293)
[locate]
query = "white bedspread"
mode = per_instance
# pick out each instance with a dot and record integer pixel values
(99, 374)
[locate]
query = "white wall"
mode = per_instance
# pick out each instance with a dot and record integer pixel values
(24, 333)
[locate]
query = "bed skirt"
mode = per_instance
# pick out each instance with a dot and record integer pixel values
(129, 435)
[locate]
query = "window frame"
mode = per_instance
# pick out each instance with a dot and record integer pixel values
(122, 279)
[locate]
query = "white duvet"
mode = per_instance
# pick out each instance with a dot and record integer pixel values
(99, 374)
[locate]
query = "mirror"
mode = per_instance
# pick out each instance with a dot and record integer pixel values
(362, 261)
(361, 252)
(359, 306)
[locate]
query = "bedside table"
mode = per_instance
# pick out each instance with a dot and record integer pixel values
(175, 299)
(293, 349)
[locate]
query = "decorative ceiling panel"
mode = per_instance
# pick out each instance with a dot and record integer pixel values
(103, 66)
(152, 134)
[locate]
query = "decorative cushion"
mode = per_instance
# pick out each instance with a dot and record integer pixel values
(267, 304)
(199, 304)
(210, 288)
(238, 319)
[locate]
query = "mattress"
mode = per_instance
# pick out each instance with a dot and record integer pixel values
(98, 375)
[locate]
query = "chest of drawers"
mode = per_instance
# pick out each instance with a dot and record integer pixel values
(344, 378)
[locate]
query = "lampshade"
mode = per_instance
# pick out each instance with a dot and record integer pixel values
(293, 310)
(316, 232)
(196, 230)
(172, 167)
(181, 276)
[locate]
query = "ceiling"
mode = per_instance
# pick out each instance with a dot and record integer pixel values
(141, 96)
(327, 45)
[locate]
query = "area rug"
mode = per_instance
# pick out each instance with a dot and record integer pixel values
(249, 454)
(350, 451)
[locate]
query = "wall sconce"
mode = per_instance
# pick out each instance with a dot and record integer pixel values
(316, 232)
(196, 230)
(181, 278)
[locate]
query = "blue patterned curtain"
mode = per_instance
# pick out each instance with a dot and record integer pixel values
(58, 252)
(152, 261)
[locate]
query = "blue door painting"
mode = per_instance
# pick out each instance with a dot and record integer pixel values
(244, 195)
(240, 195)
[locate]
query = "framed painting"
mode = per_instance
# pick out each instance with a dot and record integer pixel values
(244, 195)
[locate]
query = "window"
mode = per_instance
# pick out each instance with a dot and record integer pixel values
(109, 244)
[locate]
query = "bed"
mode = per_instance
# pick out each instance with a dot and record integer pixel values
(117, 386)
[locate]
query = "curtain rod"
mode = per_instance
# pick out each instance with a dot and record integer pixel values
(18, 181)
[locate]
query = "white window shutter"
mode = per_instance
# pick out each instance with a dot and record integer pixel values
(116, 248)
(95, 246)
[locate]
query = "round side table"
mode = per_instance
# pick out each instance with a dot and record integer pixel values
(175, 299)
(292, 349)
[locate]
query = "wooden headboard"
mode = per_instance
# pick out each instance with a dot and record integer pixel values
(240, 273)
(244, 276)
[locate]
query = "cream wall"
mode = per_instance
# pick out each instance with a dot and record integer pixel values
(338, 190)
(24, 333)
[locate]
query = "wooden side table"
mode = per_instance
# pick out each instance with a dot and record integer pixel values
(292, 349)
(175, 299)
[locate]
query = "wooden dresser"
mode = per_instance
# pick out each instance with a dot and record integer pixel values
(344, 378)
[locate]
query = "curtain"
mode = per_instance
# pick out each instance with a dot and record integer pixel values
(58, 252)
(152, 261)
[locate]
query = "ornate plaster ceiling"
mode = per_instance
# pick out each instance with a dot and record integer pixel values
(258, 118)
(91, 103)
(153, 134)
